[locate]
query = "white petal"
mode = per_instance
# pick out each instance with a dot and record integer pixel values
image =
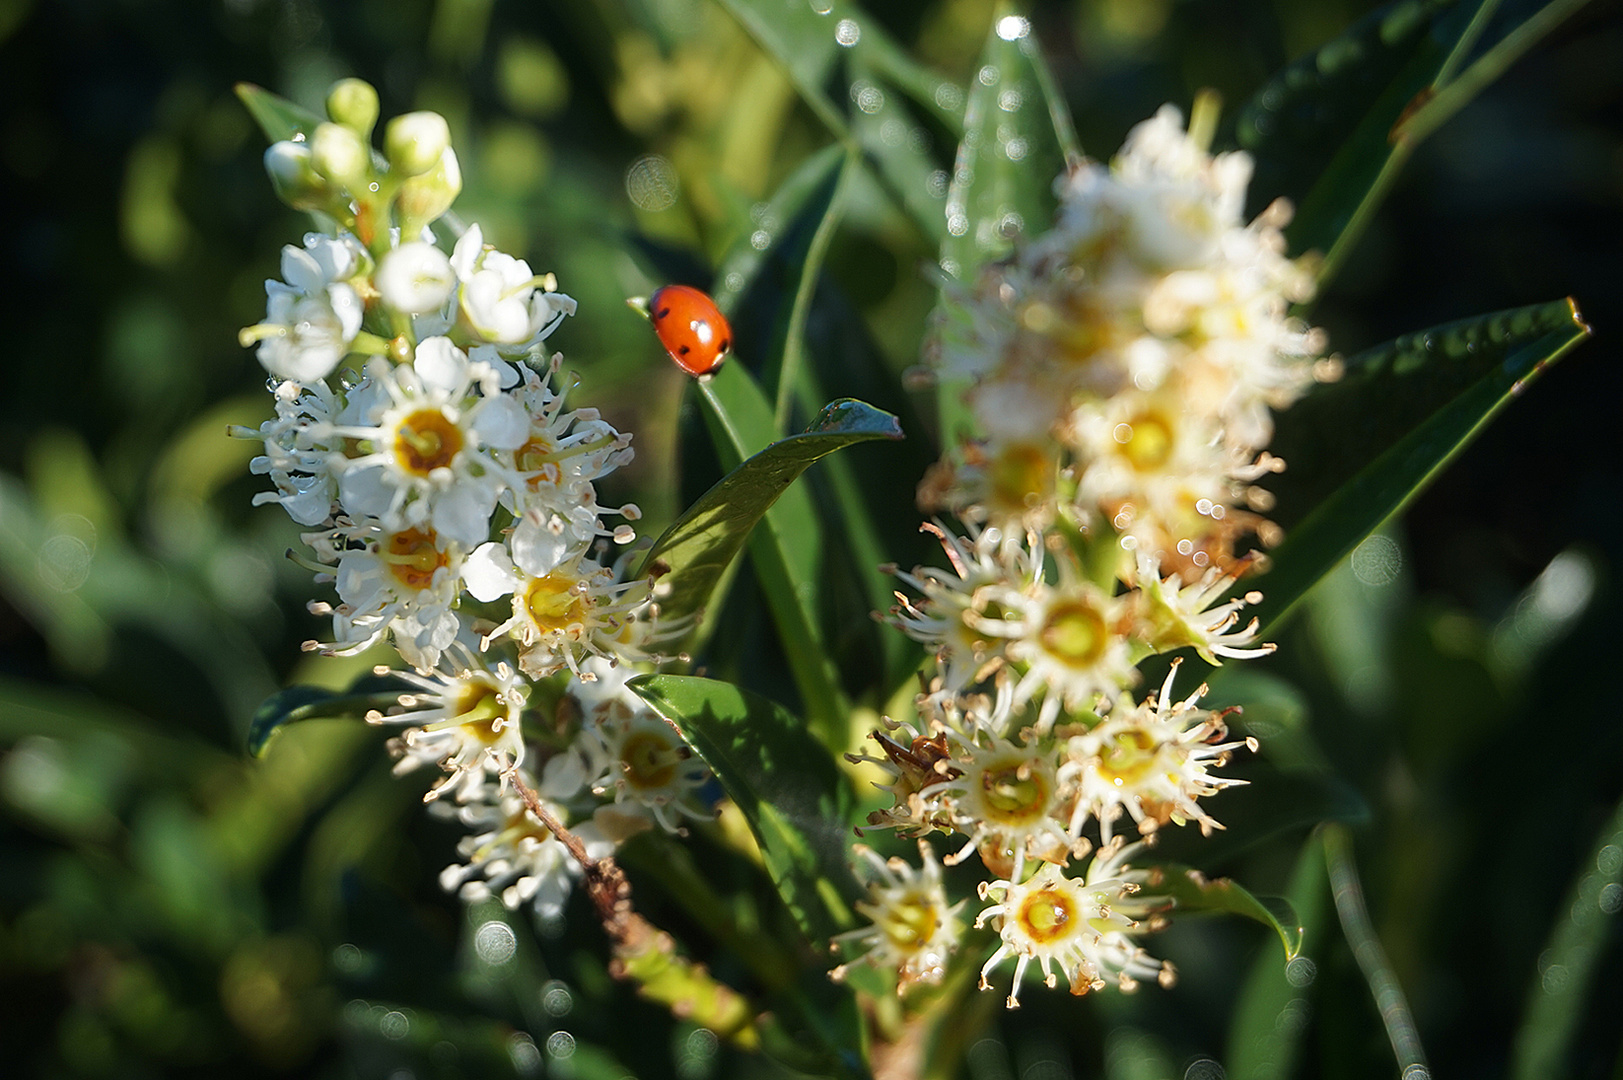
(462, 512)
(441, 365)
(536, 549)
(346, 304)
(502, 422)
(465, 256)
(364, 492)
(301, 270)
(489, 573)
(415, 278)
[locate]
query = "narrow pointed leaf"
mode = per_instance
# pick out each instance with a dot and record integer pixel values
(1464, 373)
(790, 791)
(698, 547)
(276, 116)
(1192, 893)
(1262, 1039)
(296, 703)
(1321, 130)
(1016, 136)
(1588, 919)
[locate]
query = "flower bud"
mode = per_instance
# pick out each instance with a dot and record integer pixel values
(338, 153)
(424, 198)
(415, 278)
(293, 174)
(353, 103)
(415, 142)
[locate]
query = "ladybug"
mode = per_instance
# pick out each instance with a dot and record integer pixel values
(691, 327)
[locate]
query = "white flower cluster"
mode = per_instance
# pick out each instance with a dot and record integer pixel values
(422, 435)
(1121, 369)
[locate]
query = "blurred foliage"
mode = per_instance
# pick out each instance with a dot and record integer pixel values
(168, 905)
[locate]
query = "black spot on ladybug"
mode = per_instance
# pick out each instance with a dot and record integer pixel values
(684, 350)
(661, 313)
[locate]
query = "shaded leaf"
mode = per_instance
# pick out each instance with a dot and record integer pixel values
(1501, 354)
(1320, 129)
(1556, 1005)
(790, 791)
(699, 545)
(1193, 893)
(295, 703)
(276, 116)
(1263, 1039)
(1273, 804)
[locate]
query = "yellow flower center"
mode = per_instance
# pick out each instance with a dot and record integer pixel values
(1046, 915)
(478, 708)
(910, 922)
(412, 557)
(1128, 758)
(1146, 442)
(649, 761)
(536, 458)
(551, 602)
(1019, 472)
(1014, 793)
(426, 440)
(1075, 633)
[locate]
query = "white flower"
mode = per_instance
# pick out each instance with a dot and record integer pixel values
(501, 300)
(415, 278)
(1007, 798)
(310, 319)
(1151, 760)
(566, 607)
(1071, 640)
(406, 582)
(650, 765)
(298, 447)
(466, 721)
(1084, 927)
(1170, 615)
(913, 931)
(958, 612)
(424, 443)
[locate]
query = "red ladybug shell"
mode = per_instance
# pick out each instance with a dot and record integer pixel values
(691, 327)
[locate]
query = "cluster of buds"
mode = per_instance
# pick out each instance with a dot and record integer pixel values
(1121, 369)
(421, 434)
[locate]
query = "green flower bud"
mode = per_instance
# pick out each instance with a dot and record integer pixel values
(353, 103)
(415, 142)
(293, 174)
(339, 154)
(424, 198)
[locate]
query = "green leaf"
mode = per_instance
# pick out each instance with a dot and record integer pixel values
(1003, 180)
(837, 44)
(1320, 130)
(1017, 134)
(295, 703)
(1192, 893)
(1264, 1034)
(1557, 1002)
(698, 546)
(1440, 388)
(790, 791)
(276, 116)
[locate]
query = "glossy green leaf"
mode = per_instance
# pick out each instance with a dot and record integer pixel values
(295, 703)
(838, 57)
(276, 116)
(1461, 375)
(788, 786)
(1267, 1027)
(1556, 1002)
(692, 554)
(1192, 893)
(1017, 134)
(1320, 130)
(1016, 137)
